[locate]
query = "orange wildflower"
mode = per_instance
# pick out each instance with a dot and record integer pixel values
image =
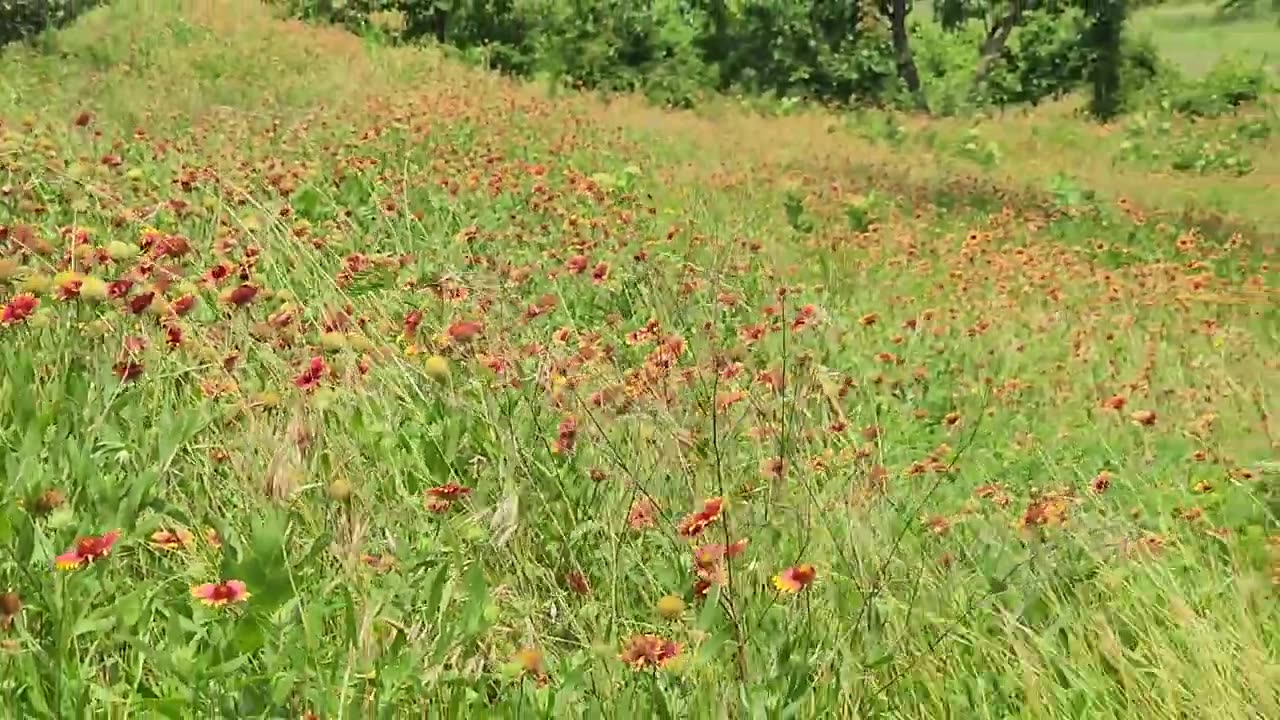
(794, 579)
(172, 539)
(643, 651)
(694, 523)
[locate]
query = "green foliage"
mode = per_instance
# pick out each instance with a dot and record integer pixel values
(828, 51)
(23, 19)
(1046, 57)
(1230, 84)
(1163, 141)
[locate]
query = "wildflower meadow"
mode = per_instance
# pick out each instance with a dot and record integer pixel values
(343, 379)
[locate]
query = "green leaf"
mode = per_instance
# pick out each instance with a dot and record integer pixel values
(282, 686)
(435, 591)
(176, 708)
(96, 625)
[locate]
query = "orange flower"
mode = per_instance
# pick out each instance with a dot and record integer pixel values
(795, 579)
(694, 523)
(1115, 402)
(643, 651)
(380, 563)
(172, 539)
(727, 399)
(1145, 418)
(221, 594)
(1047, 510)
(86, 550)
(531, 662)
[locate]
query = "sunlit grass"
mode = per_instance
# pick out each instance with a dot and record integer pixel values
(1196, 35)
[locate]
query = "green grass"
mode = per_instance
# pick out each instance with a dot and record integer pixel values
(1194, 36)
(897, 358)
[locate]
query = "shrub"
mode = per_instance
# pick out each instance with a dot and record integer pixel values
(23, 19)
(1230, 84)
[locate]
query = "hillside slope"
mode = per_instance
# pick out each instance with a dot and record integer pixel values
(340, 380)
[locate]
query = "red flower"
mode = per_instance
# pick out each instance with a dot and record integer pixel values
(795, 579)
(694, 523)
(449, 491)
(643, 651)
(221, 594)
(172, 335)
(139, 303)
(19, 308)
(411, 322)
(465, 330)
(183, 305)
(577, 582)
(600, 273)
(566, 436)
(174, 246)
(86, 550)
(69, 289)
(442, 497)
(127, 370)
(242, 295)
(309, 378)
(117, 289)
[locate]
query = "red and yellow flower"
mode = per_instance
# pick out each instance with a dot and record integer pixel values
(86, 550)
(221, 594)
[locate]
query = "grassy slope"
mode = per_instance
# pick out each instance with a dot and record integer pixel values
(945, 398)
(1195, 36)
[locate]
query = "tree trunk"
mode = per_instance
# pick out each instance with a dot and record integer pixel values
(1106, 29)
(902, 51)
(998, 38)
